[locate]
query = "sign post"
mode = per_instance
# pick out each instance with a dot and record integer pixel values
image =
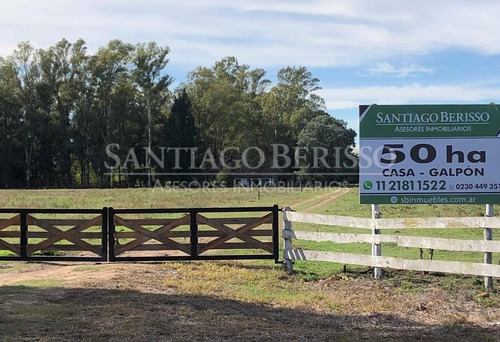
(488, 257)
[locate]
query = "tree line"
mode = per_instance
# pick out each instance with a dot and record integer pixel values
(61, 108)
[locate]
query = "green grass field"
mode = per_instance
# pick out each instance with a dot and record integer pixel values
(150, 198)
(347, 204)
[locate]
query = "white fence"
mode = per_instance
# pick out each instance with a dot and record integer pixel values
(378, 261)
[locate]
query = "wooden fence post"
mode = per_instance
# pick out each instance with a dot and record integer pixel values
(488, 256)
(287, 232)
(24, 235)
(376, 247)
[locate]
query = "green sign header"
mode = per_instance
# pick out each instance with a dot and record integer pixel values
(429, 121)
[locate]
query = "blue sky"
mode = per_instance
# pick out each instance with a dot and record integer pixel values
(385, 51)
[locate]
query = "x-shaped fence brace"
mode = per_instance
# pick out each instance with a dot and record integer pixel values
(16, 220)
(239, 233)
(57, 234)
(156, 234)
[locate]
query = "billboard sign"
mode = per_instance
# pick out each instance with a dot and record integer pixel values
(429, 154)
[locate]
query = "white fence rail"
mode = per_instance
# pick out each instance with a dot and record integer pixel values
(486, 246)
(395, 223)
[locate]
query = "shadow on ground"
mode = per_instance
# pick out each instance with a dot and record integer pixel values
(71, 314)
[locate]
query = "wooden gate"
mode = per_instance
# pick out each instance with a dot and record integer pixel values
(53, 234)
(193, 234)
(139, 234)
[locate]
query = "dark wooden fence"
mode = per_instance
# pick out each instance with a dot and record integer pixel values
(139, 234)
(43, 234)
(194, 234)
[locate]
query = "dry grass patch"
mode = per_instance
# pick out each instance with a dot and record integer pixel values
(418, 296)
(244, 282)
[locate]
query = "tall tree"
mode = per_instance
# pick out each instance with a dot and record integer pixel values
(225, 104)
(180, 132)
(291, 103)
(61, 66)
(108, 67)
(329, 144)
(288, 107)
(12, 132)
(28, 75)
(150, 61)
(84, 124)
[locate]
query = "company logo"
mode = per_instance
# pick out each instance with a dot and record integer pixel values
(440, 117)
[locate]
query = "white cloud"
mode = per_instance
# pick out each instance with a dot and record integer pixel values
(347, 98)
(385, 68)
(277, 33)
